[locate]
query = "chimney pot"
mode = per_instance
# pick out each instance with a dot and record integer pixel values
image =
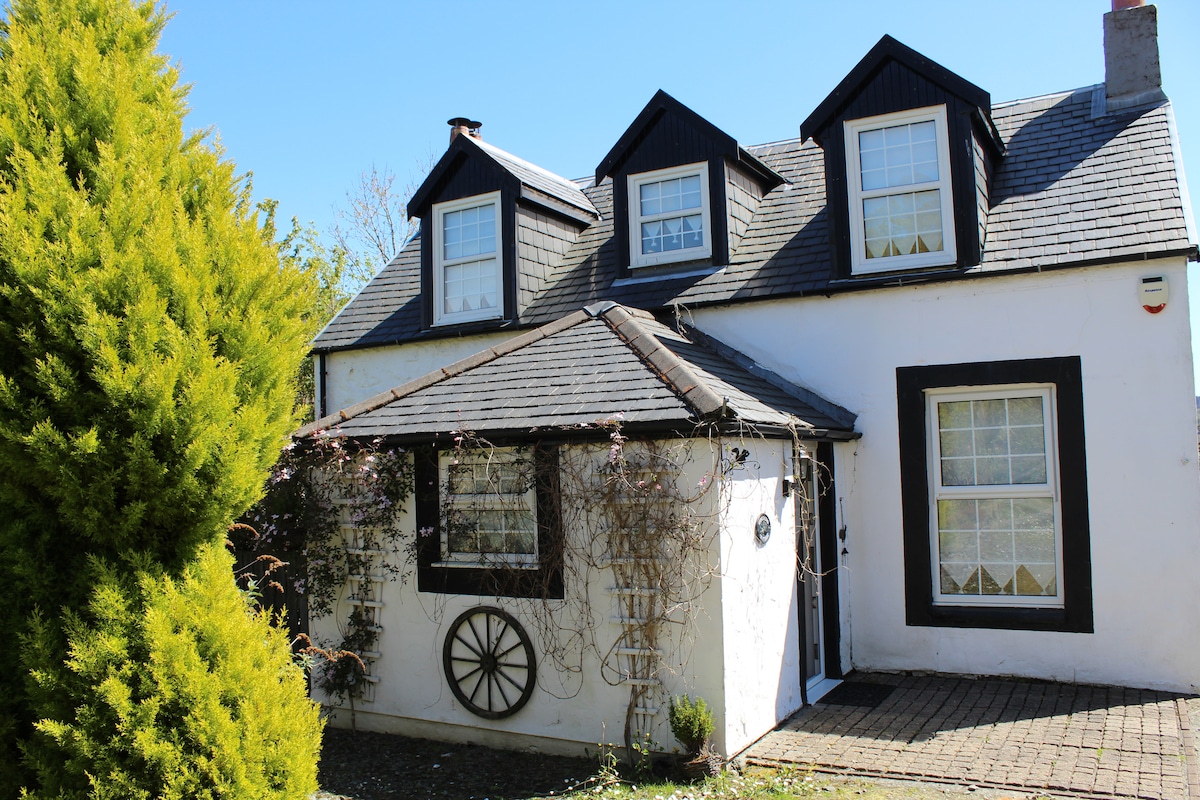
(464, 125)
(1132, 74)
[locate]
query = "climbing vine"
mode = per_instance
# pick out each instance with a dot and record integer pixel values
(646, 551)
(635, 527)
(330, 512)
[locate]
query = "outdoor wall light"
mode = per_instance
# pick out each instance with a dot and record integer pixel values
(762, 529)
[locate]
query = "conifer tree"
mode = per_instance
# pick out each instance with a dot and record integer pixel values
(149, 336)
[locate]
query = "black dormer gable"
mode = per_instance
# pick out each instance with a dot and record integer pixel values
(524, 198)
(893, 78)
(667, 134)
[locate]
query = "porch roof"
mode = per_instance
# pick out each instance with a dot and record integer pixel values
(602, 364)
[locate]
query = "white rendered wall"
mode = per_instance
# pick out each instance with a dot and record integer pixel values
(758, 595)
(571, 712)
(1143, 483)
(355, 375)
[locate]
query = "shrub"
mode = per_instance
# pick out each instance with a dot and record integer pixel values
(691, 722)
(149, 333)
(176, 688)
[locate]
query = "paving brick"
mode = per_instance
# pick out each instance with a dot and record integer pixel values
(1017, 735)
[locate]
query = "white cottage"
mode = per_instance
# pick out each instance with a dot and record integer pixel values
(901, 394)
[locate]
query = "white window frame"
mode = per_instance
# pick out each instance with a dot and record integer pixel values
(476, 502)
(636, 257)
(440, 317)
(998, 491)
(859, 263)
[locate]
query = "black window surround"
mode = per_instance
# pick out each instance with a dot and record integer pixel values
(433, 576)
(1065, 374)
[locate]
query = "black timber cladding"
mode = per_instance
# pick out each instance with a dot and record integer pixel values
(890, 79)
(668, 134)
(670, 142)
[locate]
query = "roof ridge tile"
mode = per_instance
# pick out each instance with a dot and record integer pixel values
(664, 362)
(472, 361)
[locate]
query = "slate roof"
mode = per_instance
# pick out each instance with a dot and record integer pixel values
(540, 179)
(604, 362)
(530, 176)
(1074, 189)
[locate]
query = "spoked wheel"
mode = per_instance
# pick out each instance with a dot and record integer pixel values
(488, 660)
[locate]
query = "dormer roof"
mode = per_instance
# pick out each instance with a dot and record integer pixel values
(887, 50)
(661, 104)
(537, 185)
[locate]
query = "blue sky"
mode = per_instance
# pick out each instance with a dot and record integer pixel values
(308, 95)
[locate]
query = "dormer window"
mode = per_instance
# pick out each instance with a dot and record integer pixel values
(900, 195)
(466, 264)
(669, 216)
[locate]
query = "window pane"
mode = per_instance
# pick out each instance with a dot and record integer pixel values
(1028, 469)
(1025, 411)
(957, 444)
(954, 415)
(996, 546)
(991, 441)
(996, 578)
(991, 471)
(899, 155)
(958, 472)
(870, 140)
(987, 547)
(469, 232)
(902, 224)
(1006, 446)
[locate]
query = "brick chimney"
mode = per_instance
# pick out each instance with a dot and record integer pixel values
(460, 125)
(1132, 76)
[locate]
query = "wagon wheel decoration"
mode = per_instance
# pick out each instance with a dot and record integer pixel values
(488, 660)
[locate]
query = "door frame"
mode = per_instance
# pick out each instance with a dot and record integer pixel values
(828, 555)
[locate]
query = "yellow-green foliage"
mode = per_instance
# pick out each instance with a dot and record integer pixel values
(181, 690)
(149, 333)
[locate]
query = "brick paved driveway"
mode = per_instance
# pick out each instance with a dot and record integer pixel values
(1094, 741)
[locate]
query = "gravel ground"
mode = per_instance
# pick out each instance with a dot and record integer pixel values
(379, 766)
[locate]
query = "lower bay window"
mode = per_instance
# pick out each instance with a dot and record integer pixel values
(994, 495)
(488, 522)
(490, 510)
